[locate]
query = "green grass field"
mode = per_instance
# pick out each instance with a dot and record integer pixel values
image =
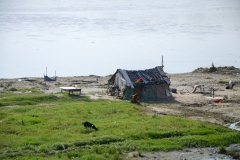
(47, 126)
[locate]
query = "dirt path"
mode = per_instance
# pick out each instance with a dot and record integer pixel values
(186, 154)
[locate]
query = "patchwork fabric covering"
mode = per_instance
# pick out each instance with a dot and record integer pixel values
(150, 84)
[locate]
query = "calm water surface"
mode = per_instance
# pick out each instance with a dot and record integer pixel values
(83, 37)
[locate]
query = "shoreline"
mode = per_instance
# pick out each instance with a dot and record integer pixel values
(229, 70)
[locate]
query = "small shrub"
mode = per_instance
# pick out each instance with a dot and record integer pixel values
(155, 116)
(13, 89)
(223, 82)
(140, 153)
(117, 157)
(222, 150)
(212, 68)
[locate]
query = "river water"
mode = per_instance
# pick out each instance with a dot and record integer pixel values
(84, 37)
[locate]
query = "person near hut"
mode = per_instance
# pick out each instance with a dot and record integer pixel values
(230, 85)
(135, 98)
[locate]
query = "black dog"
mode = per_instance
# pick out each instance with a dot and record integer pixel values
(89, 125)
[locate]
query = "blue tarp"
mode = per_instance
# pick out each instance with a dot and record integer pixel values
(46, 78)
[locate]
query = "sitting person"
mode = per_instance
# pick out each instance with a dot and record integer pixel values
(135, 98)
(231, 85)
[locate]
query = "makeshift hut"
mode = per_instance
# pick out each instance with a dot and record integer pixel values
(150, 84)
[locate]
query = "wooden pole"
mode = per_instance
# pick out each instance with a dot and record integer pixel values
(162, 61)
(213, 92)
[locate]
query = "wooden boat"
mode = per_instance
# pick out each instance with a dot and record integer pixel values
(46, 78)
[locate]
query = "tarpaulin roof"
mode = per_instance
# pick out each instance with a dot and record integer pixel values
(149, 76)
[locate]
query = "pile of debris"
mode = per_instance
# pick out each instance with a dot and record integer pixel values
(222, 70)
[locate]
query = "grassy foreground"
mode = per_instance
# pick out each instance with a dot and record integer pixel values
(44, 126)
